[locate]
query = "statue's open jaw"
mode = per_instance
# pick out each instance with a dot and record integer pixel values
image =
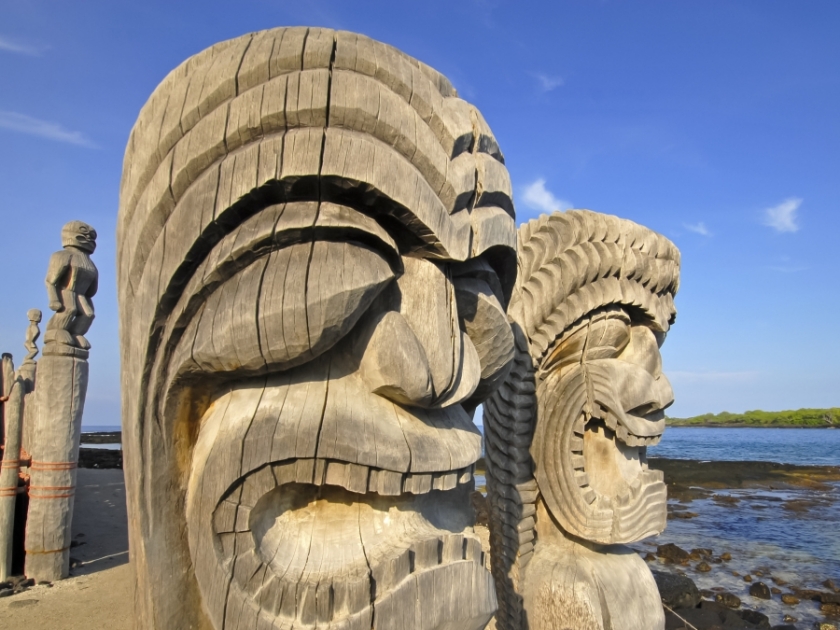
(611, 467)
(321, 539)
(316, 553)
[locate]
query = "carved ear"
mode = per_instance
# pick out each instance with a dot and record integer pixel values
(284, 309)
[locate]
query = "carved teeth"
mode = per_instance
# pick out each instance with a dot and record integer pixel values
(352, 477)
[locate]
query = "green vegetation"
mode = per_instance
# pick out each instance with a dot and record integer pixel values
(814, 418)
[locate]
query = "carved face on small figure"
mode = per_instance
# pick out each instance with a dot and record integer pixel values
(603, 401)
(80, 235)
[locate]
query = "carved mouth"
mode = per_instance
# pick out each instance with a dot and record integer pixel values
(319, 552)
(610, 461)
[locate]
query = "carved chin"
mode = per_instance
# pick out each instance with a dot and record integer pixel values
(289, 540)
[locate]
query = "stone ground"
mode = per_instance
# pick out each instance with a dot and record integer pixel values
(99, 593)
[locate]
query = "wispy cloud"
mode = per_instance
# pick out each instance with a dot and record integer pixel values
(10, 45)
(782, 218)
(698, 228)
(548, 83)
(711, 377)
(43, 129)
(537, 196)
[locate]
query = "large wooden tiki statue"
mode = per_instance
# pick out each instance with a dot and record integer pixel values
(567, 432)
(316, 249)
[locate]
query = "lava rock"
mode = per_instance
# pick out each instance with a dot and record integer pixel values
(676, 591)
(760, 590)
(830, 609)
(829, 598)
(757, 619)
(672, 552)
(790, 599)
(728, 599)
(703, 567)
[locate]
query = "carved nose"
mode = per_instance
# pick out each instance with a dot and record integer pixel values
(664, 392)
(395, 365)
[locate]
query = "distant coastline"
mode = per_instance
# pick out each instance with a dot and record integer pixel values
(757, 419)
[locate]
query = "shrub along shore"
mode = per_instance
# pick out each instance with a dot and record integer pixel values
(800, 418)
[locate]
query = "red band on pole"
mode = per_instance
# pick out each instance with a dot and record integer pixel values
(33, 465)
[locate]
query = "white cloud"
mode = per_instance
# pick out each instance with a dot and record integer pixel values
(698, 228)
(10, 45)
(782, 218)
(548, 83)
(538, 197)
(42, 128)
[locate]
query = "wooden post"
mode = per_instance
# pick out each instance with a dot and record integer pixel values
(12, 415)
(59, 403)
(59, 400)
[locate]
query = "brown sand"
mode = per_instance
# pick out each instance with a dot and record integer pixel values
(99, 593)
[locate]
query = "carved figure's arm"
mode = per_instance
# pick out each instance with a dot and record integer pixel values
(59, 264)
(94, 286)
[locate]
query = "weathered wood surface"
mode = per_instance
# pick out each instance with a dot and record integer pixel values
(21, 384)
(59, 399)
(566, 432)
(316, 246)
(9, 466)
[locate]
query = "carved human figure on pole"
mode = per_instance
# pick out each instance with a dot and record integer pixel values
(59, 397)
(315, 251)
(567, 433)
(72, 281)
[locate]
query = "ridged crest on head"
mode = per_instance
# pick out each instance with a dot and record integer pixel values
(572, 263)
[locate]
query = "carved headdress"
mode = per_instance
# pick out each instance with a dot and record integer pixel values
(585, 280)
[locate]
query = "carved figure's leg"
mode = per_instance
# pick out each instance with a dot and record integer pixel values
(59, 325)
(81, 323)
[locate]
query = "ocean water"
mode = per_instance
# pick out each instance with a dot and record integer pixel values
(104, 428)
(818, 447)
(792, 535)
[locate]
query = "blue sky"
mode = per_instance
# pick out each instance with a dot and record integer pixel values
(715, 123)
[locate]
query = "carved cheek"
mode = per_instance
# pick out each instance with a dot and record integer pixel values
(643, 350)
(483, 319)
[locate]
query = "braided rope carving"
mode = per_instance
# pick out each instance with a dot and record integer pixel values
(569, 264)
